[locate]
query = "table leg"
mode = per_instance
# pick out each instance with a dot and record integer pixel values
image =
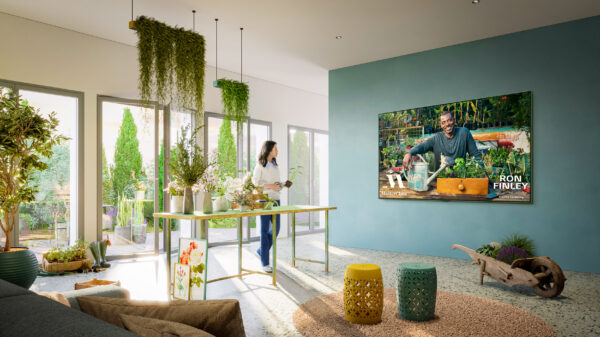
(239, 223)
(203, 229)
(326, 241)
(167, 226)
(274, 249)
(293, 239)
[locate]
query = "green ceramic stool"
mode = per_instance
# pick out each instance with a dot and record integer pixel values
(416, 291)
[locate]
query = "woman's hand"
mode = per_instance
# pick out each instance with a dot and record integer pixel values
(273, 187)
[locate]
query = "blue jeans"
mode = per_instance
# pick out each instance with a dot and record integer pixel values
(266, 236)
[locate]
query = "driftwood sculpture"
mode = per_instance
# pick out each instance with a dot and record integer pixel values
(541, 273)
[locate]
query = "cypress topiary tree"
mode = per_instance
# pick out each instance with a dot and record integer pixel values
(127, 154)
(226, 147)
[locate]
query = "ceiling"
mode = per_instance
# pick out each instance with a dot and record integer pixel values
(294, 42)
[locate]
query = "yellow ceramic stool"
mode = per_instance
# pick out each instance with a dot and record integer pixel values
(363, 293)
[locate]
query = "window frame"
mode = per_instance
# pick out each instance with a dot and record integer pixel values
(79, 95)
(311, 144)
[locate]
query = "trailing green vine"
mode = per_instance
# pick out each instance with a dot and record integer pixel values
(235, 100)
(171, 64)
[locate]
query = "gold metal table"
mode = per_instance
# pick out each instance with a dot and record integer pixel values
(239, 215)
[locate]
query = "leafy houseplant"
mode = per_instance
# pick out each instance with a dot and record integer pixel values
(294, 171)
(269, 202)
(187, 165)
(520, 241)
(26, 137)
(235, 100)
(171, 62)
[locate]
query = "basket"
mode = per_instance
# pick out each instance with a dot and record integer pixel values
(95, 282)
(258, 205)
(257, 196)
(53, 267)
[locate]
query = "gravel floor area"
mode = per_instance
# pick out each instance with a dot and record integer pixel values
(268, 310)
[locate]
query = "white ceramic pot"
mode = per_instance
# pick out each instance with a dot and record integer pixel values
(177, 204)
(139, 195)
(220, 204)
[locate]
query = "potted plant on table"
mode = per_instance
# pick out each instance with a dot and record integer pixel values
(187, 166)
(208, 183)
(176, 191)
(26, 138)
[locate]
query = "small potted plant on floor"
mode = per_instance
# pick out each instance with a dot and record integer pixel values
(27, 139)
(68, 259)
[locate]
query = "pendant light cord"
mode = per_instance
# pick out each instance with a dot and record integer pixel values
(131, 10)
(216, 48)
(193, 20)
(241, 52)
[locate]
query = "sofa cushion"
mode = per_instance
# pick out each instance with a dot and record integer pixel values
(152, 327)
(33, 315)
(8, 289)
(102, 291)
(218, 317)
(55, 296)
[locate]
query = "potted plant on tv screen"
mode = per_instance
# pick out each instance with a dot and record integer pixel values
(26, 140)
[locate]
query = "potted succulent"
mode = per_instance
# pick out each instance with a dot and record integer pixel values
(187, 166)
(26, 139)
(176, 192)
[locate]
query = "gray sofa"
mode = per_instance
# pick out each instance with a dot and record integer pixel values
(25, 313)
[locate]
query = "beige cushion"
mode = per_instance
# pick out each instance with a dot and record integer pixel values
(56, 296)
(152, 327)
(218, 317)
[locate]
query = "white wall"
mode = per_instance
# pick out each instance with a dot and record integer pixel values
(42, 54)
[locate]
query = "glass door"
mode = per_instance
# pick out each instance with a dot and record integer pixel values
(129, 164)
(309, 157)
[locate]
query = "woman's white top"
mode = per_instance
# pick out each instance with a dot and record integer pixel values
(266, 175)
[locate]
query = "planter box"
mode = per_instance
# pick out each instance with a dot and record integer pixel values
(473, 186)
(139, 233)
(123, 232)
(54, 267)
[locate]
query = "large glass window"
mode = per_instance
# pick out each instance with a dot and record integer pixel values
(128, 176)
(308, 163)
(221, 137)
(53, 218)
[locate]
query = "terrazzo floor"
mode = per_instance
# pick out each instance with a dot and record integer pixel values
(267, 310)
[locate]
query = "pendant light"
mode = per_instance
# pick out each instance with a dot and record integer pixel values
(132, 22)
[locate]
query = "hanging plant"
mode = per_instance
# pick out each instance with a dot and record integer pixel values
(235, 100)
(171, 62)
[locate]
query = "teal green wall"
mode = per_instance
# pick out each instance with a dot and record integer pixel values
(560, 64)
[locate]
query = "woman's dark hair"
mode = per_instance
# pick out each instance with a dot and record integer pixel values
(265, 151)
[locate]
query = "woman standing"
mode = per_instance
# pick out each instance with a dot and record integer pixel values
(266, 174)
